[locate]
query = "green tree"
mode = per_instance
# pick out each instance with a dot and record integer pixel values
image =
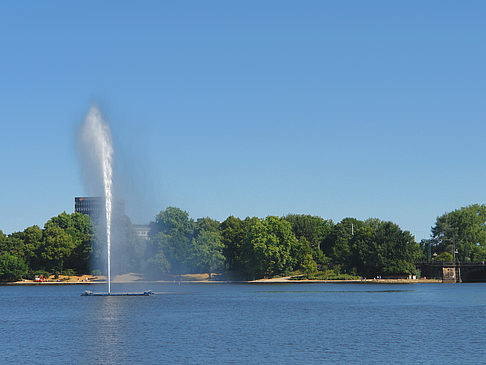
(233, 233)
(444, 257)
(254, 249)
(281, 244)
(267, 247)
(172, 233)
(161, 263)
(372, 248)
(75, 250)
(312, 232)
(56, 247)
(396, 249)
(81, 231)
(340, 245)
(62, 221)
(206, 224)
(3, 242)
(314, 229)
(12, 268)
(32, 238)
(208, 251)
(309, 266)
(65, 242)
(464, 229)
(14, 245)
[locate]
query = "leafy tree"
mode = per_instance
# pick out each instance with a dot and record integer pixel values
(172, 232)
(464, 228)
(56, 248)
(208, 251)
(309, 265)
(314, 229)
(267, 247)
(396, 249)
(81, 231)
(206, 224)
(12, 268)
(372, 248)
(233, 233)
(62, 221)
(172, 221)
(3, 242)
(24, 245)
(182, 245)
(283, 246)
(367, 257)
(75, 250)
(339, 245)
(254, 248)
(162, 265)
(32, 238)
(444, 257)
(14, 244)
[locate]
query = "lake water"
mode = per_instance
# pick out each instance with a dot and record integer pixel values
(245, 324)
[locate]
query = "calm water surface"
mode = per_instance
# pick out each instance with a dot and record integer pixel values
(245, 324)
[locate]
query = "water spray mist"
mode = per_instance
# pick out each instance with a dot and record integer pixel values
(97, 139)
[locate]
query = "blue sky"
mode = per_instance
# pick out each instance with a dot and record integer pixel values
(250, 108)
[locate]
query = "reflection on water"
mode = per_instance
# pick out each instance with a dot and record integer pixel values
(105, 330)
(115, 326)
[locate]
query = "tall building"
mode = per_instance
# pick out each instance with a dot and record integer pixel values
(95, 207)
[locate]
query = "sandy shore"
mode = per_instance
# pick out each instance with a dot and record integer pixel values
(287, 279)
(61, 280)
(204, 279)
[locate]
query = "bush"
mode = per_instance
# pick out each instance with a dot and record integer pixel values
(327, 275)
(444, 257)
(44, 273)
(309, 265)
(69, 272)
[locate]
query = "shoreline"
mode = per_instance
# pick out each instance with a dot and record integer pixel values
(284, 280)
(357, 281)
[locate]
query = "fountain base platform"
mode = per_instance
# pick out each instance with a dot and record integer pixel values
(89, 293)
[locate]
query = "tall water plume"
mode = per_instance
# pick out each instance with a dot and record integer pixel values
(97, 147)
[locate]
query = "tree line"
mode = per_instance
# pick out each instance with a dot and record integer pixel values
(65, 243)
(255, 248)
(250, 248)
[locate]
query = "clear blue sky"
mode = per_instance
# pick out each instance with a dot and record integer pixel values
(249, 108)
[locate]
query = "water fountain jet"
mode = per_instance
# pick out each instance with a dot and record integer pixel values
(97, 141)
(97, 137)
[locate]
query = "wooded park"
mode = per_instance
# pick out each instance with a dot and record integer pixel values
(243, 249)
